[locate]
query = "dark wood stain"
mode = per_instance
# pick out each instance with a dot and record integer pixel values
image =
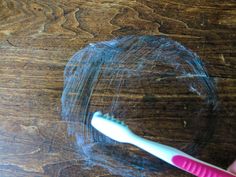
(38, 37)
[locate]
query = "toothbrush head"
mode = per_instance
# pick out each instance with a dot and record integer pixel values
(111, 127)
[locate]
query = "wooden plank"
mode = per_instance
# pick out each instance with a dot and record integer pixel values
(38, 37)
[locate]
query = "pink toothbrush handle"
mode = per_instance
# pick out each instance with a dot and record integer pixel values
(199, 168)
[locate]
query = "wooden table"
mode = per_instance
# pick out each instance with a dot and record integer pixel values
(38, 37)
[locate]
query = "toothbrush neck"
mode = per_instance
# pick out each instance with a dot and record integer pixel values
(159, 150)
(142, 142)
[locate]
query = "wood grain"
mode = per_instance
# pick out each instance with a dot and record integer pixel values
(38, 37)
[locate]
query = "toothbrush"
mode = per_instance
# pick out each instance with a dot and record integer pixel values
(119, 131)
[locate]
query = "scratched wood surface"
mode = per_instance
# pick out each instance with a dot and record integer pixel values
(38, 37)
